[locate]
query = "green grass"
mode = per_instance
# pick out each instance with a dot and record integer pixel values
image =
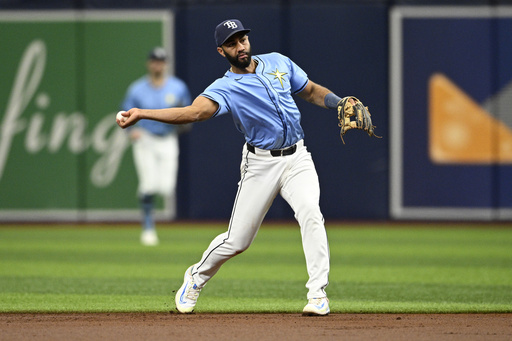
(374, 268)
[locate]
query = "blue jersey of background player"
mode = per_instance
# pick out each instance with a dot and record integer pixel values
(143, 94)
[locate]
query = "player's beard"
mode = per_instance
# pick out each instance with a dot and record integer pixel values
(157, 74)
(238, 63)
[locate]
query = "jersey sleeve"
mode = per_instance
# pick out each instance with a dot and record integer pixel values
(299, 78)
(218, 92)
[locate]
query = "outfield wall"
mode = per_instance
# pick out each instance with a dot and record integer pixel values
(61, 156)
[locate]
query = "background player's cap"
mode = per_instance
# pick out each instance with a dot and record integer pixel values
(158, 53)
(227, 28)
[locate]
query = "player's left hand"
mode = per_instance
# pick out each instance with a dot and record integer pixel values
(352, 114)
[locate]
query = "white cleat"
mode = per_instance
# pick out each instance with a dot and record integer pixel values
(149, 238)
(317, 307)
(186, 297)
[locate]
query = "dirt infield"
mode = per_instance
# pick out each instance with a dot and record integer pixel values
(248, 327)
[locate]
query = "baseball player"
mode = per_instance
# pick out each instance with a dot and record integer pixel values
(258, 92)
(155, 144)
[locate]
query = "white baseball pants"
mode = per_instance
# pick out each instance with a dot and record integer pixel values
(156, 162)
(263, 177)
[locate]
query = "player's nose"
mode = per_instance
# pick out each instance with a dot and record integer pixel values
(240, 46)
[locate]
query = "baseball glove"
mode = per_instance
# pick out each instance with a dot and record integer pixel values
(354, 116)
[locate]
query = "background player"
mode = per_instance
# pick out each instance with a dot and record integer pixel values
(155, 144)
(257, 91)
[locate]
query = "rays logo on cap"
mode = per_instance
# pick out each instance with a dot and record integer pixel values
(231, 24)
(227, 28)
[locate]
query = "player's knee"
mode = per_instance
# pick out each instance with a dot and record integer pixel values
(239, 247)
(242, 247)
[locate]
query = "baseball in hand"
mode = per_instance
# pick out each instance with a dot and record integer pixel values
(120, 117)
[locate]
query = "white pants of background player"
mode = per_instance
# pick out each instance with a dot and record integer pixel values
(156, 162)
(263, 177)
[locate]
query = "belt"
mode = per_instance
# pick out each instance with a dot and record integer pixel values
(275, 152)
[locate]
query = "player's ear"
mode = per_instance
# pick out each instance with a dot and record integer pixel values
(221, 51)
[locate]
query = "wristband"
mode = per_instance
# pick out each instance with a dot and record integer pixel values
(331, 100)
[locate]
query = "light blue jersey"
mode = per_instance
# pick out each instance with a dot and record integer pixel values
(261, 103)
(142, 94)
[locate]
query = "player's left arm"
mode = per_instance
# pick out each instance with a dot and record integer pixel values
(351, 112)
(315, 93)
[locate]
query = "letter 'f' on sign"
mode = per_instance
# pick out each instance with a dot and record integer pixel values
(231, 24)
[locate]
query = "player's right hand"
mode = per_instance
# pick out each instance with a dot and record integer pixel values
(130, 118)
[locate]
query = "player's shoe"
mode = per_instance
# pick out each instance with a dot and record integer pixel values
(186, 297)
(149, 237)
(317, 307)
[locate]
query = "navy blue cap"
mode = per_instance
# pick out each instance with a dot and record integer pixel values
(158, 53)
(227, 28)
